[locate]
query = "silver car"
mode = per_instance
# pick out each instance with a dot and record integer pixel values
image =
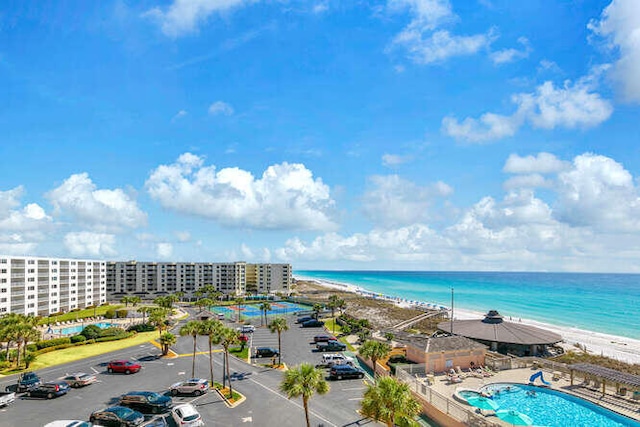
(196, 386)
(79, 379)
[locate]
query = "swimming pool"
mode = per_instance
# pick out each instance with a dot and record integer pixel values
(249, 310)
(553, 408)
(71, 330)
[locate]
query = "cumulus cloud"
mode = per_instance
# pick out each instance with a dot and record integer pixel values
(79, 198)
(393, 160)
(180, 114)
(570, 106)
(422, 38)
(15, 219)
(286, 196)
(164, 250)
(540, 163)
(85, 243)
(392, 201)
(620, 26)
(185, 16)
(510, 55)
(220, 108)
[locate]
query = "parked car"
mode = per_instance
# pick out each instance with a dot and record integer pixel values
(313, 323)
(68, 423)
(147, 402)
(304, 319)
(339, 372)
(49, 390)
(331, 345)
(196, 386)
(123, 367)
(27, 381)
(185, 415)
(117, 416)
(79, 379)
(247, 329)
(323, 338)
(331, 359)
(266, 352)
(6, 397)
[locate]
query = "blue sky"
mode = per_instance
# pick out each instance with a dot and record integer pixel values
(398, 134)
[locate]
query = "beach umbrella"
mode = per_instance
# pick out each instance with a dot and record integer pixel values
(514, 418)
(482, 403)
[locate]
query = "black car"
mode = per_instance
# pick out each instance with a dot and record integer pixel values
(305, 319)
(266, 352)
(147, 402)
(313, 323)
(49, 390)
(339, 372)
(331, 345)
(27, 381)
(117, 416)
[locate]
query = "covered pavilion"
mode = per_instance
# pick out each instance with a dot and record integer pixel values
(502, 336)
(600, 375)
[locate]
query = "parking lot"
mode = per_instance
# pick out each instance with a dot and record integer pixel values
(265, 404)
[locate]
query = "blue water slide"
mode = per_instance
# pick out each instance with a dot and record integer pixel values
(538, 375)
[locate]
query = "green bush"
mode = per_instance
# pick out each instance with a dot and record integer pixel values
(122, 314)
(32, 347)
(91, 332)
(52, 342)
(111, 332)
(141, 327)
(78, 338)
(110, 314)
(115, 337)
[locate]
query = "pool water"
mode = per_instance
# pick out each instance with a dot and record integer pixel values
(71, 330)
(552, 408)
(249, 310)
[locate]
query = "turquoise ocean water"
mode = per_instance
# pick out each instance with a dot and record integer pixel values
(607, 303)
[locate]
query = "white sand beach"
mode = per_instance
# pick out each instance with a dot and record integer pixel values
(616, 347)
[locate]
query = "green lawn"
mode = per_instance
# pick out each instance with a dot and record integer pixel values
(80, 314)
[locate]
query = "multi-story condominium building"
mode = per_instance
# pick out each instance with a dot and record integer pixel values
(41, 286)
(151, 279)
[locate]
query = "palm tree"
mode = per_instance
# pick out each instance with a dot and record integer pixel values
(389, 401)
(135, 300)
(279, 324)
(203, 303)
(239, 301)
(374, 350)
(125, 300)
(228, 337)
(264, 307)
(167, 340)
(179, 295)
(333, 304)
(304, 380)
(192, 328)
(211, 328)
(317, 308)
(158, 317)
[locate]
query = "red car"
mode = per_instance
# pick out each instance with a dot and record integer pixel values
(123, 367)
(323, 338)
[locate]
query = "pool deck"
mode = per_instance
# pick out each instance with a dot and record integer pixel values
(619, 404)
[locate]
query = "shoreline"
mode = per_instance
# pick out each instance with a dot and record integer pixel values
(597, 343)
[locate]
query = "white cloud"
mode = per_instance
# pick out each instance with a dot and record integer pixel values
(527, 181)
(183, 236)
(184, 16)
(541, 163)
(620, 26)
(180, 114)
(510, 55)
(570, 106)
(86, 243)
(31, 217)
(393, 201)
(423, 39)
(286, 196)
(393, 160)
(164, 250)
(79, 198)
(220, 108)
(320, 7)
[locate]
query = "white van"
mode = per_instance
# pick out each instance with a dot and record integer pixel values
(331, 359)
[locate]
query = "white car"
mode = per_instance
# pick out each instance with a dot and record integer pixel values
(185, 415)
(79, 379)
(331, 359)
(69, 423)
(196, 386)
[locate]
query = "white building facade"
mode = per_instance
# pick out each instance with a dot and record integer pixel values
(42, 286)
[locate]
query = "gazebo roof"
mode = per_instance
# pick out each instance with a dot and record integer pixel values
(493, 328)
(607, 374)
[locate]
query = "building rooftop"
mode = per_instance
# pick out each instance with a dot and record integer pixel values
(437, 344)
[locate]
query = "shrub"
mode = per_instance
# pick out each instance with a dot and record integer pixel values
(122, 314)
(53, 342)
(115, 337)
(110, 314)
(142, 327)
(32, 347)
(78, 338)
(111, 332)
(91, 332)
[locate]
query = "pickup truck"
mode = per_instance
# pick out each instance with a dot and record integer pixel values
(331, 345)
(27, 381)
(6, 397)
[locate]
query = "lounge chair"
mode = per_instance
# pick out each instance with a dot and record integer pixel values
(460, 373)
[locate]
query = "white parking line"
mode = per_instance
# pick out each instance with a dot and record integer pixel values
(292, 402)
